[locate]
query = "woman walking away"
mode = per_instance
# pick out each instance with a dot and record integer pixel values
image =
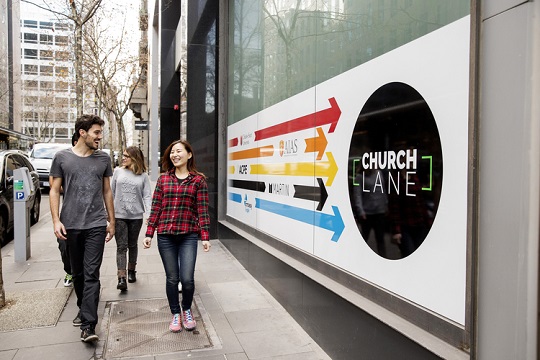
(132, 198)
(179, 215)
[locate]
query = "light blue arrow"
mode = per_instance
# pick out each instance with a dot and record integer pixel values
(326, 221)
(235, 197)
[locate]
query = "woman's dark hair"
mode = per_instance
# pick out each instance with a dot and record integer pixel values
(85, 122)
(137, 160)
(167, 164)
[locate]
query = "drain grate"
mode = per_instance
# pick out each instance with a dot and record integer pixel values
(141, 327)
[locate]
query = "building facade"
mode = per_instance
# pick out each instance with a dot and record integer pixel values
(353, 153)
(48, 79)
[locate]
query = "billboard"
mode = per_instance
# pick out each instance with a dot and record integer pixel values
(368, 170)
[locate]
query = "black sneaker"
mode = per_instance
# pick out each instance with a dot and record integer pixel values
(89, 335)
(77, 321)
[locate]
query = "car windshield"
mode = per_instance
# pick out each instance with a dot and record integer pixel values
(46, 153)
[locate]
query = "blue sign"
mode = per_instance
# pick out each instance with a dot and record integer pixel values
(19, 195)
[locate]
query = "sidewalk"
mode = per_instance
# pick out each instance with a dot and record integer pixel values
(240, 317)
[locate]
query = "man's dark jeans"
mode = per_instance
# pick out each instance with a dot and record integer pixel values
(86, 249)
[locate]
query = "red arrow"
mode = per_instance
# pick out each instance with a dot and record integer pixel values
(327, 116)
(233, 142)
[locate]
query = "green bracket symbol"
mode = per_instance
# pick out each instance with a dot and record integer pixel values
(354, 171)
(430, 172)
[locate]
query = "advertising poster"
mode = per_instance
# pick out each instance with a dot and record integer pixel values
(367, 171)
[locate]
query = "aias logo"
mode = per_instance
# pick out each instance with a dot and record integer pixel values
(288, 147)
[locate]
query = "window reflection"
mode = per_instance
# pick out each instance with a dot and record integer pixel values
(282, 47)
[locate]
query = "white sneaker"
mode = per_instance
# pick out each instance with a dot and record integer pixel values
(179, 287)
(68, 280)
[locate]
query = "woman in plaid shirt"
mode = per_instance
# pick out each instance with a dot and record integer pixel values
(179, 214)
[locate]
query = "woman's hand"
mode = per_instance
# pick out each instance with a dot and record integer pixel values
(147, 242)
(206, 245)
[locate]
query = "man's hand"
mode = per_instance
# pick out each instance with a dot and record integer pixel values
(60, 231)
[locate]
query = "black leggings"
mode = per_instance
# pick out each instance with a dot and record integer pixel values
(127, 236)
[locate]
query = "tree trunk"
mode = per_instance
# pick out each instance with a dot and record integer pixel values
(78, 69)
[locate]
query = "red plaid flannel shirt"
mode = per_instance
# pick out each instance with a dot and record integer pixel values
(179, 206)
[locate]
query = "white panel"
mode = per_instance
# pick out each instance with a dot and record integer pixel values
(433, 277)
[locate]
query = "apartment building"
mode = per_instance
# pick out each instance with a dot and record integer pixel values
(48, 80)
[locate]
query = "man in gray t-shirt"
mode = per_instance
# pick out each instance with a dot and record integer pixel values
(87, 218)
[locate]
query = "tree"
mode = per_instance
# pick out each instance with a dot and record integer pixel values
(113, 71)
(79, 12)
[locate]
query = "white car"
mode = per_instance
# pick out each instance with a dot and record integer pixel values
(41, 157)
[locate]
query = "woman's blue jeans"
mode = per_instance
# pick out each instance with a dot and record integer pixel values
(178, 254)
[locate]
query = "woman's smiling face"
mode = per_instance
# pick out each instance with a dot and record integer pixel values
(179, 156)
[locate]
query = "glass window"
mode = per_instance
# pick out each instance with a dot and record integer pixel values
(30, 84)
(61, 40)
(46, 39)
(62, 102)
(62, 55)
(30, 69)
(46, 84)
(46, 54)
(62, 71)
(61, 133)
(10, 166)
(30, 23)
(62, 26)
(30, 38)
(30, 53)
(62, 86)
(62, 116)
(22, 161)
(30, 100)
(46, 70)
(45, 25)
(281, 48)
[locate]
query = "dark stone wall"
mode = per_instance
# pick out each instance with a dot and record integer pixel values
(202, 122)
(170, 80)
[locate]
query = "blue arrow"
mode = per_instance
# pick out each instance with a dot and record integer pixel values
(326, 221)
(235, 197)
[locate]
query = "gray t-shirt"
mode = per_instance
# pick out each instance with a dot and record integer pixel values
(82, 181)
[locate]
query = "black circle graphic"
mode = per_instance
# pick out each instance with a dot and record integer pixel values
(395, 170)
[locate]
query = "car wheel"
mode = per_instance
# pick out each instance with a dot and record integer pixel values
(3, 228)
(34, 212)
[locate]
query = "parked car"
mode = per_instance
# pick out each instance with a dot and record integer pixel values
(41, 157)
(9, 161)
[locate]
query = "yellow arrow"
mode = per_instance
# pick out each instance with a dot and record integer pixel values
(318, 169)
(231, 169)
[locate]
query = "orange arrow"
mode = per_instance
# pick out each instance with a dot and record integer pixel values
(317, 144)
(252, 153)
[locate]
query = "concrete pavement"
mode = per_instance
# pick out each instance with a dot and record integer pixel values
(241, 319)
